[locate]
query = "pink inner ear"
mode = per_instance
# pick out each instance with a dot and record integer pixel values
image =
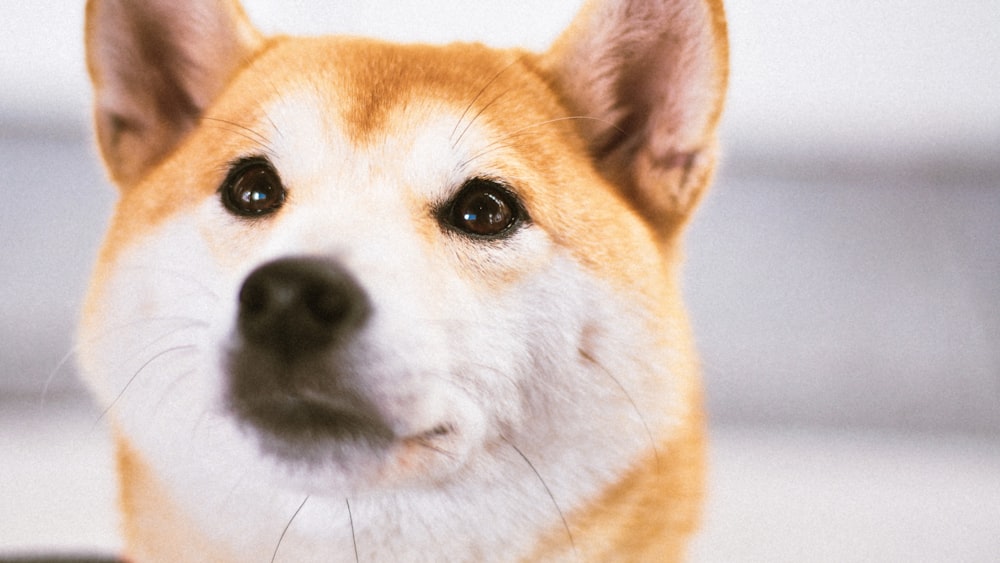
(652, 75)
(156, 65)
(653, 69)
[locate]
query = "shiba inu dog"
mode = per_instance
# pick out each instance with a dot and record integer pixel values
(379, 302)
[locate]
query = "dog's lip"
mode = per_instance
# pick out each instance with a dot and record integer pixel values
(299, 417)
(303, 416)
(437, 433)
(442, 442)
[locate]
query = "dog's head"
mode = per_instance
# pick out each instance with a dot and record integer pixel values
(340, 265)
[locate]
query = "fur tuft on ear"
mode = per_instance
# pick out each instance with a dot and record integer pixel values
(156, 65)
(651, 75)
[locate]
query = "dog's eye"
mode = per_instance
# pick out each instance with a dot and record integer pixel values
(484, 208)
(252, 188)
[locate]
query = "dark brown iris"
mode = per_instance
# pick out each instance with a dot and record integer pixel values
(484, 208)
(252, 188)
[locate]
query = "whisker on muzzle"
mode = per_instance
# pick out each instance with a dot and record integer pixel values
(288, 525)
(548, 491)
(108, 334)
(645, 425)
(135, 375)
(354, 536)
(63, 362)
(170, 388)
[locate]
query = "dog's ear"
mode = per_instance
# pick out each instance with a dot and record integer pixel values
(650, 77)
(156, 65)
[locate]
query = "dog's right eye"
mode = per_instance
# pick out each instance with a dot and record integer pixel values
(252, 188)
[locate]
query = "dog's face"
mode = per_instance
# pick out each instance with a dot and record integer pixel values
(364, 285)
(341, 267)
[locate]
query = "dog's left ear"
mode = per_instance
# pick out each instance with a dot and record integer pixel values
(156, 65)
(650, 77)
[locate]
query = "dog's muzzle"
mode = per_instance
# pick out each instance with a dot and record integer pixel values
(297, 317)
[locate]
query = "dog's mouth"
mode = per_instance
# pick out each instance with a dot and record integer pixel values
(300, 417)
(295, 418)
(306, 428)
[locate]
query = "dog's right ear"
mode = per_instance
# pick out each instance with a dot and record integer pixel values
(648, 78)
(156, 65)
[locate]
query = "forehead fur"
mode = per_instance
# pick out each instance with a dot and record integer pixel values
(365, 82)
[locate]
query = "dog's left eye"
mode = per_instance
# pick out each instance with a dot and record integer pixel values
(484, 208)
(252, 188)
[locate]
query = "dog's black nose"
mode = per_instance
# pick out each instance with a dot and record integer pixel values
(294, 306)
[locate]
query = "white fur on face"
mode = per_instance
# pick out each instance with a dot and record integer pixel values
(543, 370)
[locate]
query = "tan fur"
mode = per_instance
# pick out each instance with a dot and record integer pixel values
(648, 516)
(638, 196)
(153, 527)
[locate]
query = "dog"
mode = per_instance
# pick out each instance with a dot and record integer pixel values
(366, 301)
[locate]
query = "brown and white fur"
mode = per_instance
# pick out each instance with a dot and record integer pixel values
(498, 366)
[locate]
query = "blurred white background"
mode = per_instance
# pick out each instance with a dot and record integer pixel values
(844, 275)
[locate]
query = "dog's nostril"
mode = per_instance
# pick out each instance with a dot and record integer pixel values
(328, 306)
(255, 296)
(298, 305)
